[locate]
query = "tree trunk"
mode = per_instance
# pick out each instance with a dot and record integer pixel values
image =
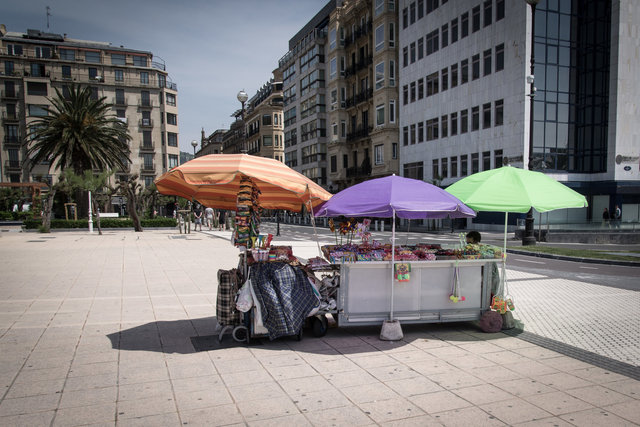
(46, 210)
(133, 209)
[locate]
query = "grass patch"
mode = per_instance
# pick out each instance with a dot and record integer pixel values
(581, 253)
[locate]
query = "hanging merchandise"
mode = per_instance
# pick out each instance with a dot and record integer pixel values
(503, 303)
(455, 287)
(247, 214)
(402, 272)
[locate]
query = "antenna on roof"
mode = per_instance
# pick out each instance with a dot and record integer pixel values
(48, 15)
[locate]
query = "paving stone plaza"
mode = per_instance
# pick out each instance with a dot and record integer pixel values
(96, 330)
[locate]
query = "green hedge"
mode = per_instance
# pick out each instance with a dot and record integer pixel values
(6, 216)
(32, 224)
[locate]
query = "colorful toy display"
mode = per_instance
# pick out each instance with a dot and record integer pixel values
(247, 214)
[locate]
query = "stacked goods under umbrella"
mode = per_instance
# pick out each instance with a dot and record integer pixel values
(247, 213)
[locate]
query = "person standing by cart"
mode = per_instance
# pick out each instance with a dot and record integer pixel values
(474, 238)
(197, 214)
(221, 220)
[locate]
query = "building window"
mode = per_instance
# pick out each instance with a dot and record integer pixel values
(267, 140)
(405, 94)
(445, 167)
(394, 150)
(454, 30)
(119, 75)
(334, 127)
(333, 68)
(488, 12)
(38, 70)
(405, 56)
(499, 9)
(454, 167)
(392, 111)
(380, 75)
(486, 59)
(332, 38)
(171, 99)
(432, 42)
(173, 161)
(414, 170)
(432, 129)
(392, 34)
(497, 158)
(420, 131)
(420, 88)
(379, 37)
(8, 68)
(486, 115)
(464, 23)
(444, 79)
(420, 48)
(333, 160)
(380, 115)
(475, 67)
(145, 98)
(454, 75)
(392, 73)
(405, 135)
(36, 88)
(66, 72)
(37, 110)
(454, 123)
(444, 126)
(464, 71)
(474, 163)
(412, 91)
(475, 18)
(464, 121)
(266, 120)
(172, 119)
(412, 133)
(345, 161)
(67, 54)
(405, 18)
(435, 170)
(486, 160)
(42, 52)
(93, 73)
(463, 165)
(343, 128)
(444, 35)
(412, 13)
(172, 139)
(139, 61)
(117, 59)
(92, 57)
(379, 7)
(420, 9)
(16, 49)
(412, 52)
(500, 57)
(432, 84)
(475, 118)
(498, 114)
(144, 77)
(146, 139)
(379, 154)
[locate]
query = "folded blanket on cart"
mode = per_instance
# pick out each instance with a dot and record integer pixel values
(285, 297)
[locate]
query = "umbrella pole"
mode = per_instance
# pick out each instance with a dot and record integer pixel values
(315, 232)
(504, 255)
(393, 256)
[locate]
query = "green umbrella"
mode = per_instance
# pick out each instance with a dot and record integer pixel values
(508, 189)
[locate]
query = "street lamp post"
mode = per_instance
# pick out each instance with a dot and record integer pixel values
(243, 97)
(194, 144)
(528, 238)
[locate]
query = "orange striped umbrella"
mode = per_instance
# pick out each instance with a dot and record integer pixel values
(214, 181)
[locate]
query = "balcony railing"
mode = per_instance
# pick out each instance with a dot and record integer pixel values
(361, 97)
(13, 164)
(11, 140)
(10, 94)
(9, 117)
(147, 148)
(119, 101)
(148, 167)
(362, 171)
(145, 123)
(146, 103)
(360, 132)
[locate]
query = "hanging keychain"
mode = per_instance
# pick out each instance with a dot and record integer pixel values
(455, 287)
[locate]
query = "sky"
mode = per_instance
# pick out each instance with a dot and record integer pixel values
(212, 49)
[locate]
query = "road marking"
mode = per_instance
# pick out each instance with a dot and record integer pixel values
(590, 268)
(534, 262)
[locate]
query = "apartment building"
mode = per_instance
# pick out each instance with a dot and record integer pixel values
(211, 144)
(467, 89)
(363, 94)
(264, 126)
(34, 64)
(303, 71)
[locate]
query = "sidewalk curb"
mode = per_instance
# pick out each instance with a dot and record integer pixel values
(575, 259)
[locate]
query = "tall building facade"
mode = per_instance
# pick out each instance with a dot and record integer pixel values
(363, 95)
(211, 144)
(34, 64)
(303, 71)
(466, 97)
(264, 127)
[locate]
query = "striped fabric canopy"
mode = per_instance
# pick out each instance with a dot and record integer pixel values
(214, 181)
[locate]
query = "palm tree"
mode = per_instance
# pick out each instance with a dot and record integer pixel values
(79, 133)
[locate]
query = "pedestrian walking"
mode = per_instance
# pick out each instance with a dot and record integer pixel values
(221, 220)
(617, 217)
(605, 218)
(197, 213)
(209, 214)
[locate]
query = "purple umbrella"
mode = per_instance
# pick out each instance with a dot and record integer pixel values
(389, 197)
(395, 195)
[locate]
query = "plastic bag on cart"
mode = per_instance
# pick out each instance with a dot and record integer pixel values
(244, 301)
(314, 288)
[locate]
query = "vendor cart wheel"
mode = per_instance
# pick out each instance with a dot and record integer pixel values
(241, 334)
(320, 326)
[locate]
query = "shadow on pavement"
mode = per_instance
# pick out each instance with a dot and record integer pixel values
(195, 335)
